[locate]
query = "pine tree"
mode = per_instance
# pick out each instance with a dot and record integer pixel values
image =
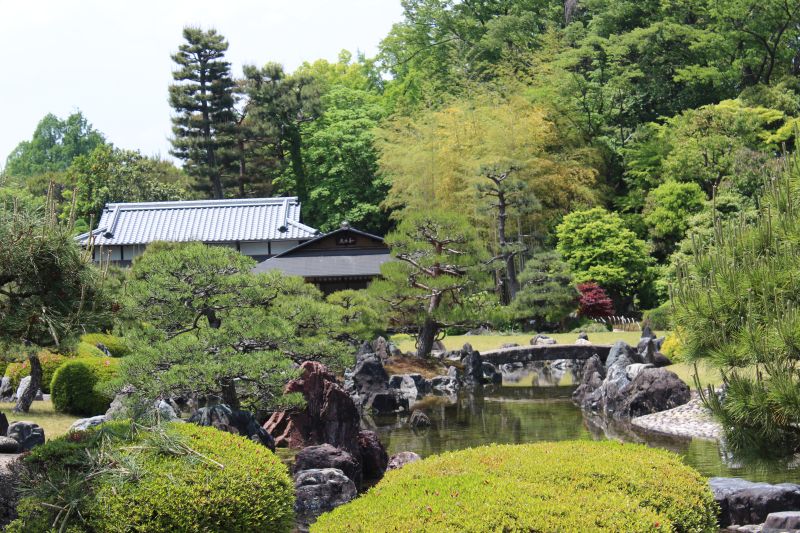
(203, 98)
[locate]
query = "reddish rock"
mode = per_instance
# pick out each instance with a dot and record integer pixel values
(374, 458)
(329, 417)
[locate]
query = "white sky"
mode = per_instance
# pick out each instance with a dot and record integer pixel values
(111, 58)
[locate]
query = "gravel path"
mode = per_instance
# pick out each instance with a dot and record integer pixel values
(688, 420)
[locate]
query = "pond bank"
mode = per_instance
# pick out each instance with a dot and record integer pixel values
(690, 420)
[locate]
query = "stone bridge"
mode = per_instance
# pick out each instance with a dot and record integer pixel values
(552, 352)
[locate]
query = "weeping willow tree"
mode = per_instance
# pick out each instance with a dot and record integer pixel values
(738, 305)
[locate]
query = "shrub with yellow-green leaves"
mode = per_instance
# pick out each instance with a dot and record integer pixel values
(116, 346)
(566, 486)
(120, 477)
(78, 385)
(50, 363)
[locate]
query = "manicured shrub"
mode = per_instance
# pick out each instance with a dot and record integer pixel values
(173, 478)
(115, 345)
(659, 318)
(50, 363)
(673, 347)
(84, 349)
(566, 486)
(77, 386)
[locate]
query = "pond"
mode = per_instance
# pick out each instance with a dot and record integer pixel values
(534, 405)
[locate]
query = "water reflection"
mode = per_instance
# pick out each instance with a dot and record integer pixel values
(533, 404)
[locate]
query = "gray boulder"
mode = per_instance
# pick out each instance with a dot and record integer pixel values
(401, 459)
(6, 390)
(633, 370)
(27, 434)
(647, 332)
(10, 471)
(3, 425)
(386, 402)
(320, 490)
(327, 456)
(419, 419)
(746, 502)
(593, 375)
(444, 384)
(782, 521)
(622, 354)
(8, 445)
(542, 340)
(233, 421)
(646, 350)
(369, 375)
(406, 385)
(473, 366)
(651, 391)
(85, 423)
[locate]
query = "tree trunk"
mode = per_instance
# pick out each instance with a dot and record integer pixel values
(24, 403)
(229, 396)
(296, 155)
(512, 285)
(427, 335)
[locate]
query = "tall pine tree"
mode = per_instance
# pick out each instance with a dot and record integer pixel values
(203, 98)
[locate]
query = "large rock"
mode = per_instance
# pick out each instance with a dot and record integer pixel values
(327, 456)
(381, 348)
(8, 445)
(10, 470)
(373, 455)
(3, 425)
(593, 374)
(329, 417)
(401, 459)
(782, 521)
(412, 387)
(242, 423)
(651, 391)
(747, 502)
(622, 355)
(473, 365)
(491, 374)
(24, 383)
(320, 490)
(369, 385)
(27, 434)
(385, 402)
(6, 390)
(85, 423)
(542, 340)
(646, 350)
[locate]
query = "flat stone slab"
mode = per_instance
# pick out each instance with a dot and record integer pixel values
(691, 420)
(552, 352)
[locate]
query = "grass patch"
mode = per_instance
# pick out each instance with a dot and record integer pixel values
(42, 413)
(483, 343)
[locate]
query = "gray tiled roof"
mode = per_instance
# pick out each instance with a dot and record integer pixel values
(331, 264)
(255, 219)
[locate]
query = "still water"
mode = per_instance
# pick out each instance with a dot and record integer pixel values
(534, 405)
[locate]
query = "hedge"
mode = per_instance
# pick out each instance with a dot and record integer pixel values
(115, 345)
(77, 386)
(566, 486)
(50, 363)
(659, 318)
(177, 478)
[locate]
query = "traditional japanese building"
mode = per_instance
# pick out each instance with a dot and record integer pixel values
(342, 259)
(256, 227)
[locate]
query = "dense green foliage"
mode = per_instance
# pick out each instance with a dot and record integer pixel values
(180, 477)
(50, 363)
(54, 145)
(116, 346)
(599, 248)
(567, 486)
(736, 307)
(206, 325)
(81, 386)
(547, 293)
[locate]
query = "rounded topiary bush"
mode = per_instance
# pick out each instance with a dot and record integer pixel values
(50, 363)
(566, 486)
(77, 387)
(174, 478)
(84, 349)
(115, 345)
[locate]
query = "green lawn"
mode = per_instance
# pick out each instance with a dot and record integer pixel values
(708, 376)
(42, 413)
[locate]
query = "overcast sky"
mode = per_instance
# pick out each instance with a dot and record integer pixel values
(111, 58)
